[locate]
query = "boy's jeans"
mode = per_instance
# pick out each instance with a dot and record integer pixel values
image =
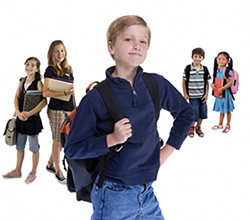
(116, 202)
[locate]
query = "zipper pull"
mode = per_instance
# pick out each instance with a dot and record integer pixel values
(134, 98)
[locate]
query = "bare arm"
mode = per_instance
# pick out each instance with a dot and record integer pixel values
(184, 90)
(205, 97)
(165, 152)
(19, 114)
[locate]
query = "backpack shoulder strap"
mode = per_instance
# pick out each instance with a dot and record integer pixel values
(110, 100)
(153, 88)
(116, 114)
(205, 73)
(187, 71)
(230, 90)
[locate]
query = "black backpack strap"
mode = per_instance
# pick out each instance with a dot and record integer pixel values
(187, 71)
(110, 100)
(205, 78)
(116, 114)
(154, 92)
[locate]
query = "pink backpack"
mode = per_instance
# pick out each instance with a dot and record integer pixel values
(235, 78)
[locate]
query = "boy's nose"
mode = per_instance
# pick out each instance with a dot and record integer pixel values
(136, 46)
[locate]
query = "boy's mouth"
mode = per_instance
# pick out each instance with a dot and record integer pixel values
(135, 54)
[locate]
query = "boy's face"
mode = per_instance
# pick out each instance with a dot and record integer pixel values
(197, 58)
(131, 46)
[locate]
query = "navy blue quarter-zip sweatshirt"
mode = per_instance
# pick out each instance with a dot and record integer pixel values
(138, 162)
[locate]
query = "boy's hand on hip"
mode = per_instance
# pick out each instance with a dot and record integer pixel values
(122, 131)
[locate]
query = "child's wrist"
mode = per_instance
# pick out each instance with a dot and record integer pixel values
(111, 140)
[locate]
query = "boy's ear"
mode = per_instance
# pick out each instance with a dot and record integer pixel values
(111, 48)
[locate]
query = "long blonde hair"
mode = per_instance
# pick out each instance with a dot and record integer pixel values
(65, 68)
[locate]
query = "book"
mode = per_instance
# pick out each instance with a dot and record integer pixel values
(31, 99)
(60, 85)
(218, 84)
(37, 92)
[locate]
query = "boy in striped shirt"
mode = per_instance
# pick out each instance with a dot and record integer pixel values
(195, 89)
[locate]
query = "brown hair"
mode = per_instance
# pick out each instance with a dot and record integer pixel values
(38, 64)
(198, 51)
(119, 25)
(64, 66)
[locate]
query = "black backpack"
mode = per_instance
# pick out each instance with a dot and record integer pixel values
(187, 71)
(81, 173)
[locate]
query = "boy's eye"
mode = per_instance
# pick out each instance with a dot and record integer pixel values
(143, 42)
(128, 39)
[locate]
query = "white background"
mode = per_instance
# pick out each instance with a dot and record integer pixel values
(209, 177)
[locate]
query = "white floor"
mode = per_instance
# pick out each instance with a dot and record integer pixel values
(207, 179)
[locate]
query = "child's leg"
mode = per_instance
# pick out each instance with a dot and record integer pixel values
(35, 160)
(20, 145)
(50, 161)
(34, 147)
(56, 149)
(55, 155)
(229, 116)
(222, 115)
(199, 123)
(19, 163)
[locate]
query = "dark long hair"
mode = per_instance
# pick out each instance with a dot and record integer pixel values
(38, 64)
(229, 66)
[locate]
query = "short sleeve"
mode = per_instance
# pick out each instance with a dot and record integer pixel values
(49, 72)
(184, 75)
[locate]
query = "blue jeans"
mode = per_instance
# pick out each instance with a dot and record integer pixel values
(117, 202)
(200, 109)
(33, 141)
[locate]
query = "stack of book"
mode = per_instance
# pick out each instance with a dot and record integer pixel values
(60, 85)
(31, 99)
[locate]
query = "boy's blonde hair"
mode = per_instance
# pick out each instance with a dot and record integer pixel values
(65, 68)
(119, 25)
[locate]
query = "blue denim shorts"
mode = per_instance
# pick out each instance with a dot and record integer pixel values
(33, 141)
(200, 109)
(114, 201)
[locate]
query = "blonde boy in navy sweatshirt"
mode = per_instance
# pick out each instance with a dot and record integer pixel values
(127, 192)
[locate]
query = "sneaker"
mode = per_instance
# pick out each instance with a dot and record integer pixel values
(191, 132)
(60, 178)
(31, 177)
(226, 129)
(199, 132)
(51, 169)
(12, 174)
